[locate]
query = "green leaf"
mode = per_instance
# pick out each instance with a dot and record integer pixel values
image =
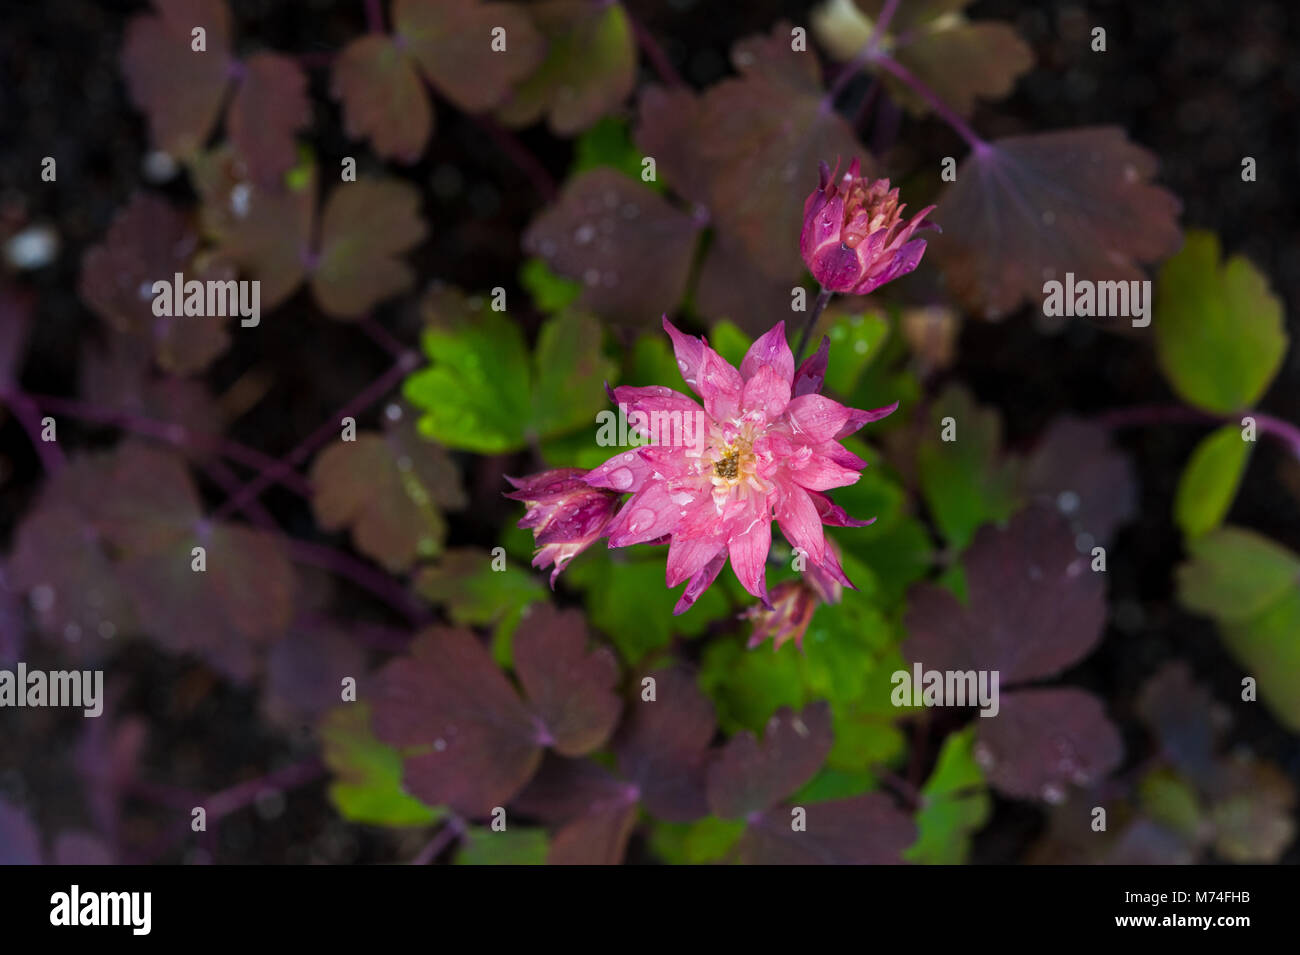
(550, 292)
(1236, 574)
(856, 341)
(476, 396)
(609, 143)
(695, 843)
(483, 394)
(730, 342)
(476, 594)
(964, 482)
(830, 784)
(748, 686)
(512, 846)
(1267, 649)
(571, 375)
(957, 804)
(1210, 482)
(628, 600)
(368, 784)
(1168, 799)
(1219, 332)
(652, 363)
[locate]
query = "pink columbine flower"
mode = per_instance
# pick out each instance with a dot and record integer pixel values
(567, 515)
(770, 449)
(854, 239)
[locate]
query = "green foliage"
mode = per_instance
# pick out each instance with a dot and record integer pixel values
(856, 342)
(550, 292)
(1219, 332)
(1251, 587)
(513, 846)
(609, 143)
(368, 783)
(475, 594)
(1210, 481)
(695, 843)
(627, 599)
(957, 804)
(963, 480)
(482, 393)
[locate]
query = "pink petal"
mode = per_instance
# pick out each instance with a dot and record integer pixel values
(688, 556)
(648, 514)
(772, 349)
(689, 351)
(821, 473)
(700, 583)
(857, 418)
(625, 471)
(811, 375)
(800, 522)
(833, 515)
(749, 548)
(719, 386)
(767, 392)
(816, 418)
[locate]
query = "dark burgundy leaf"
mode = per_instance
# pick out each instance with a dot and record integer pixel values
(270, 106)
(1184, 718)
(1028, 209)
(150, 241)
(305, 673)
(1042, 741)
(451, 40)
(866, 830)
(383, 99)
(1035, 606)
(748, 777)
(178, 88)
(1077, 469)
(20, 842)
(663, 746)
(595, 811)
(571, 690)
(628, 246)
(479, 743)
(764, 135)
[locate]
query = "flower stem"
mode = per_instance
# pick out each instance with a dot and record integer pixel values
(277, 470)
(819, 306)
(1140, 415)
(864, 56)
(519, 154)
(386, 588)
(941, 109)
(28, 417)
(171, 433)
(655, 54)
(452, 830)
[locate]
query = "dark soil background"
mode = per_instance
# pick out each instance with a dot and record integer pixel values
(1201, 83)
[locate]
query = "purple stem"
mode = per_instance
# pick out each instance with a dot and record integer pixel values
(655, 54)
(1139, 415)
(277, 470)
(520, 155)
(360, 573)
(230, 483)
(823, 299)
(941, 109)
(222, 804)
(374, 16)
(864, 56)
(175, 434)
(452, 830)
(384, 338)
(28, 415)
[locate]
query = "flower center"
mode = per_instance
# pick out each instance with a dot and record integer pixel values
(728, 466)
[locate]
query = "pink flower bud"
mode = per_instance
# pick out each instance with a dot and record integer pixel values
(567, 515)
(854, 238)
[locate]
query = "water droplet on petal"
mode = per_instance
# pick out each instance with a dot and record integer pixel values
(621, 478)
(641, 519)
